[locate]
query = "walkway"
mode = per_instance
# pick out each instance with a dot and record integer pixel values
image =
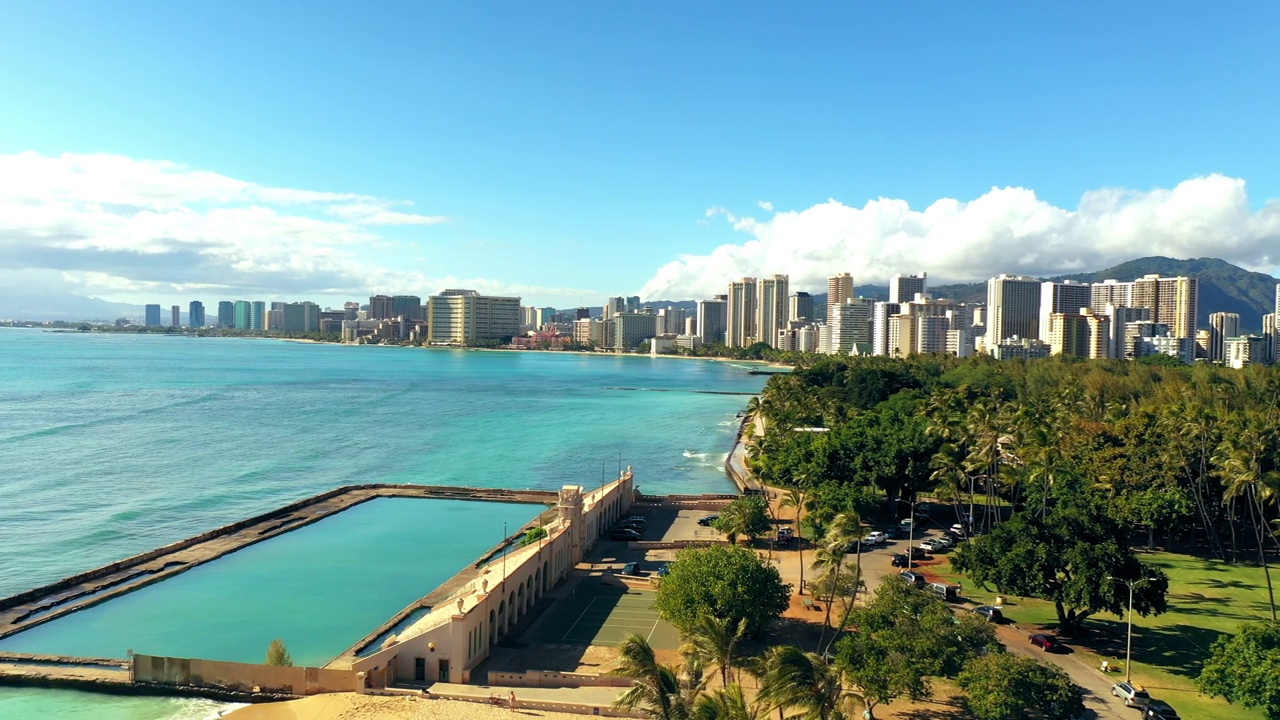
(586, 700)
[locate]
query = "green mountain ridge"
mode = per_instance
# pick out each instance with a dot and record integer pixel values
(1223, 287)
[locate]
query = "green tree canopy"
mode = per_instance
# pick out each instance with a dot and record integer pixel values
(1003, 686)
(1068, 556)
(728, 582)
(747, 516)
(278, 654)
(1245, 668)
(903, 636)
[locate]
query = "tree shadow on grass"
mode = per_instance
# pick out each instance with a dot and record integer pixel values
(1177, 649)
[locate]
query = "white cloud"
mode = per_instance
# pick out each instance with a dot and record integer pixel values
(121, 227)
(765, 205)
(1004, 230)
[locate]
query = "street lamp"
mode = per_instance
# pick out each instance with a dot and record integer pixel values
(911, 530)
(1128, 643)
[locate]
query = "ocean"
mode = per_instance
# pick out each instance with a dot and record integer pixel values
(115, 444)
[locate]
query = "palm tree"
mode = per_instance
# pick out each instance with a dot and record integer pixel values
(712, 641)
(1244, 460)
(845, 528)
(795, 499)
(794, 679)
(657, 691)
(726, 704)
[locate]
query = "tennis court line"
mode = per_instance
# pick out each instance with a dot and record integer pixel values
(575, 622)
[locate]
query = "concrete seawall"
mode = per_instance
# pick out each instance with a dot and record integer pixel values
(40, 605)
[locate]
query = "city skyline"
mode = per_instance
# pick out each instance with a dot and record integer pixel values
(552, 154)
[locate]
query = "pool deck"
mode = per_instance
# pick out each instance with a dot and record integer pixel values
(34, 607)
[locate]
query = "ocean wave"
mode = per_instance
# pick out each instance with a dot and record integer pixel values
(199, 709)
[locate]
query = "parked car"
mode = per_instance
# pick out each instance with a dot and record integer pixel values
(628, 569)
(1159, 710)
(933, 545)
(958, 529)
(876, 538)
(913, 578)
(899, 531)
(900, 560)
(623, 534)
(1048, 643)
(950, 593)
(708, 520)
(1132, 695)
(991, 613)
(905, 522)
(665, 570)
(633, 525)
(918, 553)
(637, 520)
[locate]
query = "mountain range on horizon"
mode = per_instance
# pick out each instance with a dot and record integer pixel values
(1224, 287)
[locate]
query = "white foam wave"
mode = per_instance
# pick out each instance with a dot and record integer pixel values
(199, 709)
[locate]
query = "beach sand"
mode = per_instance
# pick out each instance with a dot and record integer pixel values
(350, 706)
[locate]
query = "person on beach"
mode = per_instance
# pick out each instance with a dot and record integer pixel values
(512, 700)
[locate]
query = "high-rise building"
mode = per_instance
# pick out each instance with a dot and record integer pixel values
(630, 330)
(275, 318)
(850, 327)
(614, 305)
(880, 314)
(195, 314)
(801, 306)
(226, 314)
(528, 318)
(258, 315)
(1245, 350)
(464, 316)
(351, 310)
(1277, 299)
(712, 319)
(1110, 292)
(1271, 332)
(243, 313)
(380, 307)
(772, 307)
(1222, 325)
(904, 288)
(740, 314)
(1068, 334)
(1121, 347)
(671, 320)
(152, 313)
(1062, 297)
(839, 289)
(300, 317)
(1013, 308)
(632, 303)
(408, 307)
(1099, 325)
(1173, 301)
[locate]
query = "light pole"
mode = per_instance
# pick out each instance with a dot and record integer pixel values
(1128, 643)
(911, 530)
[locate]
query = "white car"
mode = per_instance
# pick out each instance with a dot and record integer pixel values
(932, 545)
(876, 538)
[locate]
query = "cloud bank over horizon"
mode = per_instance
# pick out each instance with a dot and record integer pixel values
(119, 227)
(1005, 230)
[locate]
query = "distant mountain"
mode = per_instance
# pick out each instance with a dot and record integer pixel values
(41, 306)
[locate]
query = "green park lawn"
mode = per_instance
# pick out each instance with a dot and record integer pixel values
(1207, 599)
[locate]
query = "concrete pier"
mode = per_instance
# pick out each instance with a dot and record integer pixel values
(40, 605)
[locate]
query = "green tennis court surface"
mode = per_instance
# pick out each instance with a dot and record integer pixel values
(600, 614)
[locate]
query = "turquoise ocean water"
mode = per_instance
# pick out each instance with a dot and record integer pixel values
(112, 445)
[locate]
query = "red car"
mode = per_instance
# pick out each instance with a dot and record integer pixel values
(1048, 642)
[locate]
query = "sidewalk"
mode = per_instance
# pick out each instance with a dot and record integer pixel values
(584, 701)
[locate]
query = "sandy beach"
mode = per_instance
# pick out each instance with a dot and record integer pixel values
(350, 706)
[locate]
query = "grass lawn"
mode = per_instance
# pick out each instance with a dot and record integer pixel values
(1207, 599)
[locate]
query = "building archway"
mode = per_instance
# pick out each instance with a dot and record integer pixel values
(493, 636)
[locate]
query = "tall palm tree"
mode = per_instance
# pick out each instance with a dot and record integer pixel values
(796, 680)
(794, 498)
(727, 704)
(845, 529)
(713, 641)
(1245, 461)
(657, 691)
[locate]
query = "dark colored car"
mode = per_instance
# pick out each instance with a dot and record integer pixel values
(991, 613)
(633, 525)
(1048, 642)
(623, 534)
(628, 569)
(708, 520)
(1159, 710)
(900, 560)
(918, 554)
(913, 578)
(665, 570)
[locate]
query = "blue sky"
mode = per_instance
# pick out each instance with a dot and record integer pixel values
(569, 151)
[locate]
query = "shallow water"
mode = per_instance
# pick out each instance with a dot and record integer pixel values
(115, 444)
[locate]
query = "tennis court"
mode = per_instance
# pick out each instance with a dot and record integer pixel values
(601, 614)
